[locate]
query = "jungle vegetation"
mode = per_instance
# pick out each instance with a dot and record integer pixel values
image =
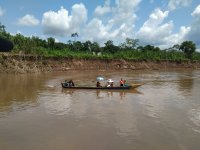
(130, 49)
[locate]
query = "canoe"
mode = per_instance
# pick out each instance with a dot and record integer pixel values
(102, 88)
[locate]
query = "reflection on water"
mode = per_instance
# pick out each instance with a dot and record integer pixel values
(164, 113)
(18, 92)
(104, 93)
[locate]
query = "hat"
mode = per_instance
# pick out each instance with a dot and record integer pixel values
(110, 80)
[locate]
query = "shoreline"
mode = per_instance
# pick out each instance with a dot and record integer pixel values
(34, 64)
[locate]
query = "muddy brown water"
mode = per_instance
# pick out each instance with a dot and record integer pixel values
(37, 114)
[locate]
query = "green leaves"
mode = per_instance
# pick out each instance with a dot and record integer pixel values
(188, 47)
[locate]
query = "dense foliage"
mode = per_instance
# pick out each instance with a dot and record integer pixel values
(5, 44)
(129, 50)
(188, 47)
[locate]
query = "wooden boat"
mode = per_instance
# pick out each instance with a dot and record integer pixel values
(133, 86)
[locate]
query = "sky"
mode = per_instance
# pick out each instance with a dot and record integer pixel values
(161, 23)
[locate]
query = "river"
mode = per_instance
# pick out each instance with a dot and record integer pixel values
(37, 114)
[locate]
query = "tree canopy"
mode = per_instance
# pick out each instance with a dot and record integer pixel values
(5, 44)
(188, 47)
(129, 49)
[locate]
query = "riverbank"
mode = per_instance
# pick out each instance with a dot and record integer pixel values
(34, 64)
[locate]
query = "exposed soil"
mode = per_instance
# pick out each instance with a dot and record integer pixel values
(28, 64)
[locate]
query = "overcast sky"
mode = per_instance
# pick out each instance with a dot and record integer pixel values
(161, 23)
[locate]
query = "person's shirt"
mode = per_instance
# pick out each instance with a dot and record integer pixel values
(121, 82)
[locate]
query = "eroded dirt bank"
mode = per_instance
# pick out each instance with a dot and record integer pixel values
(26, 64)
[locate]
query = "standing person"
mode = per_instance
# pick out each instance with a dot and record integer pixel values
(121, 82)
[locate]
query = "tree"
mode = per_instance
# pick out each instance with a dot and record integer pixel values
(39, 42)
(74, 35)
(188, 47)
(148, 48)
(110, 47)
(87, 46)
(130, 44)
(3, 33)
(51, 42)
(2, 28)
(95, 47)
(60, 46)
(20, 42)
(77, 46)
(5, 45)
(176, 47)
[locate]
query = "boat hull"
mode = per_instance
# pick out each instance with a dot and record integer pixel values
(102, 88)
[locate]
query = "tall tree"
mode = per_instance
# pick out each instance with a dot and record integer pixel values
(188, 47)
(74, 35)
(129, 44)
(87, 46)
(77, 46)
(95, 47)
(110, 47)
(176, 47)
(2, 28)
(5, 43)
(3, 32)
(51, 42)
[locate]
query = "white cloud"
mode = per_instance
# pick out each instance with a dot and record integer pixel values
(97, 31)
(194, 33)
(57, 40)
(125, 11)
(155, 32)
(119, 24)
(28, 20)
(61, 23)
(100, 11)
(156, 18)
(1, 12)
(196, 12)
(79, 16)
(173, 4)
(176, 38)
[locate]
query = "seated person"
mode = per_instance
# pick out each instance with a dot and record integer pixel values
(125, 83)
(111, 85)
(98, 84)
(108, 84)
(66, 83)
(71, 83)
